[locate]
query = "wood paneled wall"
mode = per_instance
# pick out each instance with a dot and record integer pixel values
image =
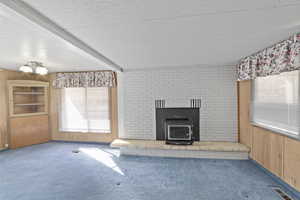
(53, 114)
(3, 110)
(4, 76)
(82, 137)
(267, 150)
(275, 152)
(245, 129)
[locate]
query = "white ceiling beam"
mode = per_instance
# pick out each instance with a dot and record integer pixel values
(38, 18)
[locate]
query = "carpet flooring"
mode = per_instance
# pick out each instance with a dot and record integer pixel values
(74, 171)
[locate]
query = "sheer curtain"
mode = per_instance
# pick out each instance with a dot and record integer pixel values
(85, 110)
(275, 102)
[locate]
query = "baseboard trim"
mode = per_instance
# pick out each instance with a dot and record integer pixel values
(278, 180)
(3, 149)
(80, 142)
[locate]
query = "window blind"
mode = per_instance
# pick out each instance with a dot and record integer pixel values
(85, 110)
(275, 102)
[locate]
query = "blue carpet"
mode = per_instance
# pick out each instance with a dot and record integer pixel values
(52, 172)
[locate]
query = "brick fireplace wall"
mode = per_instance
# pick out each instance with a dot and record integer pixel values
(216, 86)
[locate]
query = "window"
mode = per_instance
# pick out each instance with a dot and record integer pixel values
(275, 103)
(85, 110)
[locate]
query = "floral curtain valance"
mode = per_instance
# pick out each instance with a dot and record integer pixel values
(281, 57)
(85, 79)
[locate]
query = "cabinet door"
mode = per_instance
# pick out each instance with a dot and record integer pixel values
(26, 131)
(292, 162)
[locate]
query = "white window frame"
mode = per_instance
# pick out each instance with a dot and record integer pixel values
(267, 127)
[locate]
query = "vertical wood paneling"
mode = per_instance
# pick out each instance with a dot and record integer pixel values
(3, 110)
(276, 153)
(244, 114)
(292, 162)
(267, 150)
(261, 147)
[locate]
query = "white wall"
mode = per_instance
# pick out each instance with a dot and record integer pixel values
(216, 86)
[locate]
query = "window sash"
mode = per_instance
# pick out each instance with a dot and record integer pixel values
(294, 133)
(85, 121)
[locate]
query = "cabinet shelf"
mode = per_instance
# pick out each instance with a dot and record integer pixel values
(29, 104)
(29, 93)
(27, 98)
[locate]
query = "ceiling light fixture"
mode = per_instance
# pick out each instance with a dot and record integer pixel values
(26, 69)
(41, 70)
(38, 66)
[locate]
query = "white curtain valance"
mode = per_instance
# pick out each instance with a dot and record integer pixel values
(85, 79)
(281, 57)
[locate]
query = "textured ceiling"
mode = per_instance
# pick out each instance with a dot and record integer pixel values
(22, 41)
(165, 33)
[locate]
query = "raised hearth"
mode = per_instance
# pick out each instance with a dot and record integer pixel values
(216, 150)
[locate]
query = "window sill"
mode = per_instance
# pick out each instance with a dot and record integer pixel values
(277, 131)
(79, 132)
